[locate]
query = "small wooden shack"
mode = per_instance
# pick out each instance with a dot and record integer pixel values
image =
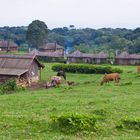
(24, 68)
(8, 46)
(127, 59)
(79, 57)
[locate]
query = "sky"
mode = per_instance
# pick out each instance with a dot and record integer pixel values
(62, 13)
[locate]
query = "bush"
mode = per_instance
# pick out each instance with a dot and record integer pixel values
(129, 123)
(85, 68)
(9, 87)
(73, 123)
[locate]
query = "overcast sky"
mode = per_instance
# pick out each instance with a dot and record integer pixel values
(81, 13)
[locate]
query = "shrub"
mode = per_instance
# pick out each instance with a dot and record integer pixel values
(9, 86)
(73, 123)
(85, 68)
(129, 123)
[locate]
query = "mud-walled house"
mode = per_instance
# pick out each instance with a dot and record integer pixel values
(8, 46)
(50, 52)
(51, 48)
(79, 57)
(24, 68)
(127, 59)
(49, 56)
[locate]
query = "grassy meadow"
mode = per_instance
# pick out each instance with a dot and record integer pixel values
(27, 114)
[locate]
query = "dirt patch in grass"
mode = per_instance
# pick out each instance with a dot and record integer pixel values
(39, 85)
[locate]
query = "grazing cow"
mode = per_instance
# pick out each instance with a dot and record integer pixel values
(138, 69)
(111, 77)
(61, 73)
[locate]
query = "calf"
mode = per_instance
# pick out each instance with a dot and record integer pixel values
(111, 77)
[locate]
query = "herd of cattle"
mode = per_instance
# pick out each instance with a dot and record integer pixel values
(57, 80)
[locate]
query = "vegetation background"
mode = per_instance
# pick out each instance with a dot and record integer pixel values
(85, 40)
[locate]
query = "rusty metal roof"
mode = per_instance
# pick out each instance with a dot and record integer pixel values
(14, 72)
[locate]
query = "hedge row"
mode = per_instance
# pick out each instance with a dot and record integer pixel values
(85, 68)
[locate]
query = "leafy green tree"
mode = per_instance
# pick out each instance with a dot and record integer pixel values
(36, 33)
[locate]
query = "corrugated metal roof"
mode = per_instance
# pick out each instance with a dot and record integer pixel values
(14, 72)
(12, 61)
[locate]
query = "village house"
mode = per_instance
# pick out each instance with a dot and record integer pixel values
(79, 57)
(8, 46)
(24, 68)
(51, 48)
(127, 59)
(49, 56)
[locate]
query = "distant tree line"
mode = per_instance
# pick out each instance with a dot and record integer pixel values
(86, 40)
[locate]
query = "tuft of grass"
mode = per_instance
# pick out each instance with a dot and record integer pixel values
(73, 123)
(126, 83)
(129, 123)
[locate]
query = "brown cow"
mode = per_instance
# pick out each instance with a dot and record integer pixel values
(111, 77)
(138, 69)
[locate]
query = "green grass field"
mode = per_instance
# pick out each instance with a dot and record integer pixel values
(26, 115)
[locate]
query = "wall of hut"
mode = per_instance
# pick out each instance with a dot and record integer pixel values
(100, 61)
(77, 60)
(4, 78)
(33, 72)
(11, 49)
(59, 50)
(127, 61)
(87, 60)
(20, 80)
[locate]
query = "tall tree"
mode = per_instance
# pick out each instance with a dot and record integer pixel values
(36, 33)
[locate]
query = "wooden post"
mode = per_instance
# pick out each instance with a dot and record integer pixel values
(40, 74)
